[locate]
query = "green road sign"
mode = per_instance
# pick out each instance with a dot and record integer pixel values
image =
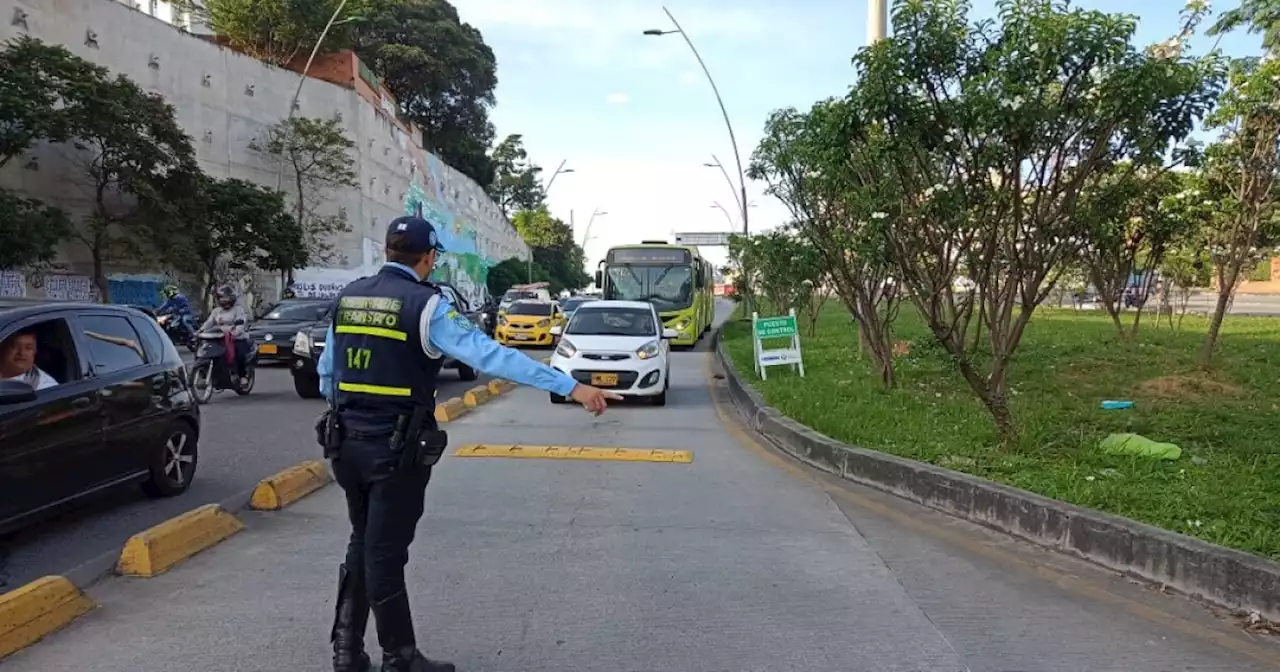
(776, 327)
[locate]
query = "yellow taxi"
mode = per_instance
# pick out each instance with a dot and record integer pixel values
(529, 323)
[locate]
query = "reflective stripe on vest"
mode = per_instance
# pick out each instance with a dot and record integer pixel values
(379, 390)
(380, 332)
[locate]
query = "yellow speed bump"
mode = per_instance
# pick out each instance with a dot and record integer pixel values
(575, 453)
(499, 387)
(476, 396)
(37, 609)
(451, 410)
(290, 485)
(153, 551)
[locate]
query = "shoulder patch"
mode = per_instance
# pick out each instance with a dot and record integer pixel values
(460, 319)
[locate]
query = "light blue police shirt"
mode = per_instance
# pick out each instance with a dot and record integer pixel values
(446, 331)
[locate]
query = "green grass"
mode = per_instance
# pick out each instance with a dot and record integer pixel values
(1225, 489)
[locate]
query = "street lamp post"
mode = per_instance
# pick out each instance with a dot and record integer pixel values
(877, 20)
(715, 163)
(726, 212)
(560, 170)
(586, 234)
(742, 176)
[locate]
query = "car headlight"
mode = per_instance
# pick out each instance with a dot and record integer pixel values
(566, 349)
(502, 321)
(544, 323)
(648, 350)
(681, 325)
(302, 343)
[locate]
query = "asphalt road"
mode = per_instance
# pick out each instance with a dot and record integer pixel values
(739, 561)
(244, 439)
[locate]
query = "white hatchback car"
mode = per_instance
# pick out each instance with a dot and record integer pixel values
(616, 345)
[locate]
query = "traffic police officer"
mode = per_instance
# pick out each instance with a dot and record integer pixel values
(385, 346)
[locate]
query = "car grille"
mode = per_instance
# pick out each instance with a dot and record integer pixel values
(520, 326)
(625, 378)
(605, 357)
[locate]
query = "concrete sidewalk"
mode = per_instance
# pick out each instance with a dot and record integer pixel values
(729, 563)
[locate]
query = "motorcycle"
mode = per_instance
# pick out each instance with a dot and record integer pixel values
(178, 330)
(215, 366)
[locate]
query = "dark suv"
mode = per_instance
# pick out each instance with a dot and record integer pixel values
(308, 345)
(273, 332)
(107, 403)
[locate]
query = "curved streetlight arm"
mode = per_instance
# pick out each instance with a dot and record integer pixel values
(302, 79)
(727, 216)
(732, 189)
(559, 169)
(742, 176)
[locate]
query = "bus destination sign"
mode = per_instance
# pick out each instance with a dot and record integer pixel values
(656, 255)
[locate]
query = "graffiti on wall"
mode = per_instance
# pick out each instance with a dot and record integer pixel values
(462, 265)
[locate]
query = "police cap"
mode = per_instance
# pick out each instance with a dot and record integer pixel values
(412, 235)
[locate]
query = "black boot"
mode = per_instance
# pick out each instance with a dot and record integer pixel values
(350, 618)
(395, 633)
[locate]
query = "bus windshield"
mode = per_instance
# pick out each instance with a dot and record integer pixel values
(668, 288)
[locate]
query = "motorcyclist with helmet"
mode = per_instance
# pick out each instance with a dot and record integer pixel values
(177, 305)
(231, 317)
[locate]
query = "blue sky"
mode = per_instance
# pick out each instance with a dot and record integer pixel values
(635, 118)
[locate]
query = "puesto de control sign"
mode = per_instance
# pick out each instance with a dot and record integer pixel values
(775, 329)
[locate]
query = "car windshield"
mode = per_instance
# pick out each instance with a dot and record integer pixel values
(516, 295)
(570, 305)
(606, 321)
(528, 308)
(666, 287)
(297, 311)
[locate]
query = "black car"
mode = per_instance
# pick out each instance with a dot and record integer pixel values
(274, 330)
(107, 403)
(308, 345)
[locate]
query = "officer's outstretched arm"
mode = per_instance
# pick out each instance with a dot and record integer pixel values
(454, 335)
(324, 367)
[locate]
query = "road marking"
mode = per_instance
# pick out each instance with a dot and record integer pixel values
(575, 453)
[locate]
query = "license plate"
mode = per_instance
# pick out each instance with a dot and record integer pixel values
(268, 349)
(604, 379)
(520, 337)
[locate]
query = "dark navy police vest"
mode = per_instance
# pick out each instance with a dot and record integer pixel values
(379, 368)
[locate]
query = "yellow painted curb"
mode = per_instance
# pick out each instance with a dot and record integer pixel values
(281, 490)
(36, 610)
(153, 551)
(500, 387)
(451, 410)
(476, 396)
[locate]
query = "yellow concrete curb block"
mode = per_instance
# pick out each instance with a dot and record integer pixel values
(476, 396)
(281, 490)
(451, 410)
(500, 387)
(153, 551)
(34, 611)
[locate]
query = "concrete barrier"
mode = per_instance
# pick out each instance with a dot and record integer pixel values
(281, 490)
(36, 610)
(155, 550)
(500, 387)
(476, 396)
(448, 411)
(1222, 576)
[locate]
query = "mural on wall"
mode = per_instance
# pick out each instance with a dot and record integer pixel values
(462, 264)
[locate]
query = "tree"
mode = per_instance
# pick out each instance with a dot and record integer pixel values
(516, 184)
(991, 131)
(1240, 170)
(236, 225)
(318, 155)
(789, 273)
(553, 248)
(1186, 267)
(141, 167)
(38, 98)
(441, 73)
(277, 31)
(29, 231)
(1134, 223)
(505, 274)
(836, 185)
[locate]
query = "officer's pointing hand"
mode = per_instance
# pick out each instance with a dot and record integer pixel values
(594, 399)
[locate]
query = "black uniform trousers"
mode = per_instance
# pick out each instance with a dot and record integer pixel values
(384, 503)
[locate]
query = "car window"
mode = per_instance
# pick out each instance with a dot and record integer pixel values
(45, 348)
(297, 311)
(591, 321)
(113, 343)
(529, 308)
(156, 342)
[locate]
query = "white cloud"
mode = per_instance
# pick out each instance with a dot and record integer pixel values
(617, 99)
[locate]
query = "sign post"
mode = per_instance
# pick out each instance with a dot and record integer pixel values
(775, 328)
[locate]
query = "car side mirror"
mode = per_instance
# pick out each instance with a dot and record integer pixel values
(239, 322)
(599, 280)
(16, 392)
(670, 334)
(556, 330)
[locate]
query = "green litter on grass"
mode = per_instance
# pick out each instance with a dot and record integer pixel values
(1136, 444)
